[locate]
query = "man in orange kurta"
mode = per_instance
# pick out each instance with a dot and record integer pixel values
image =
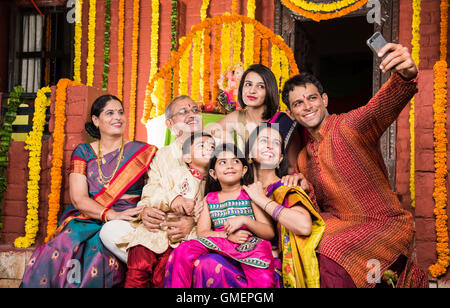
(367, 231)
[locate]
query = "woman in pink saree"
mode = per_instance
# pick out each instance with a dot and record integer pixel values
(229, 224)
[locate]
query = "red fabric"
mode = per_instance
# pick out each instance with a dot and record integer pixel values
(363, 216)
(145, 268)
(332, 275)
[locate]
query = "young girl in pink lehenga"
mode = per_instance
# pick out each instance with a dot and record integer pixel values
(229, 224)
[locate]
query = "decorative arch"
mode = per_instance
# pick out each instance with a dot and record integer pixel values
(194, 61)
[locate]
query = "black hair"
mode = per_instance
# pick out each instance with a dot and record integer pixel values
(272, 99)
(299, 80)
(190, 141)
(97, 108)
(213, 185)
(282, 168)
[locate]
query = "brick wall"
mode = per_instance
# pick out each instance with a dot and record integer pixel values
(424, 161)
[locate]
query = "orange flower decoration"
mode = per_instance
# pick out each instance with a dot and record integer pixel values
(58, 135)
(262, 31)
(440, 151)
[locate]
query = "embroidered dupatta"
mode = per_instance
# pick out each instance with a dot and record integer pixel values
(300, 268)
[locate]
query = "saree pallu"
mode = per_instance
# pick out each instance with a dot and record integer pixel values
(74, 256)
(300, 267)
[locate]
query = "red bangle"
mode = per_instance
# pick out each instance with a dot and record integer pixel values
(103, 216)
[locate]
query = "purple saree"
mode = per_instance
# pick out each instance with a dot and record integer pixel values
(75, 257)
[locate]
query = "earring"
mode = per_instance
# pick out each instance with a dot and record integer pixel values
(250, 161)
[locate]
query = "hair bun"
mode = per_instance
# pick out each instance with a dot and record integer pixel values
(92, 130)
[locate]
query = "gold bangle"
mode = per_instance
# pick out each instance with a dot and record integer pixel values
(103, 215)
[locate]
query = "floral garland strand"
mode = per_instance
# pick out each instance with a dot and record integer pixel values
(206, 66)
(257, 47)
(154, 35)
(107, 44)
(284, 77)
(234, 7)
(440, 150)
(265, 52)
(77, 41)
(154, 38)
(184, 69)
(134, 68)
(204, 9)
(173, 47)
(225, 46)
(91, 43)
(5, 137)
(249, 35)
(196, 56)
(120, 52)
(158, 97)
(237, 45)
(54, 198)
(415, 53)
(276, 65)
(173, 25)
(323, 11)
(33, 143)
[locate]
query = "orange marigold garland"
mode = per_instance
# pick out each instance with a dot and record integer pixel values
(54, 198)
(257, 47)
(265, 52)
(323, 11)
(440, 151)
(215, 22)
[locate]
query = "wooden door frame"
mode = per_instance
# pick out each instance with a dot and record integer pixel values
(284, 25)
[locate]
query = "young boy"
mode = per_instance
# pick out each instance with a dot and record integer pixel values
(148, 251)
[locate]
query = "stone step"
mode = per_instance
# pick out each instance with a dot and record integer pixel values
(12, 265)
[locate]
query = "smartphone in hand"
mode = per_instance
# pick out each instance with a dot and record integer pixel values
(376, 42)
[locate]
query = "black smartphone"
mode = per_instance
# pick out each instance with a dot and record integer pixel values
(376, 42)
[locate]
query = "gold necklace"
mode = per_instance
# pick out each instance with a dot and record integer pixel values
(106, 179)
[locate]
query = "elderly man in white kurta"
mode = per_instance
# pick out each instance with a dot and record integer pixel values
(182, 118)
